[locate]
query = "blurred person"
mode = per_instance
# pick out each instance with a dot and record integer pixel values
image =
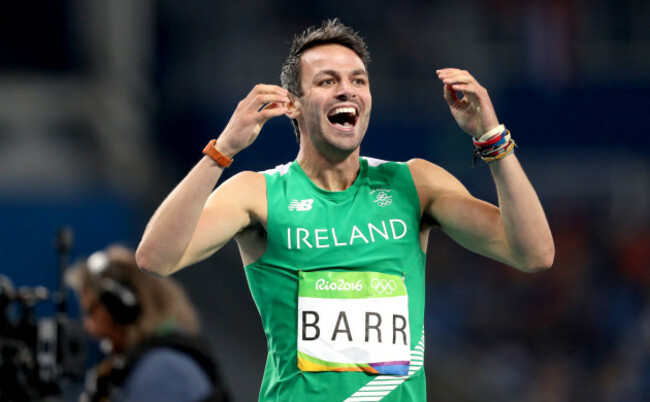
(149, 330)
(334, 244)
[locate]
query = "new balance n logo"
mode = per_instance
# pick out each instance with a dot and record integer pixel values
(302, 205)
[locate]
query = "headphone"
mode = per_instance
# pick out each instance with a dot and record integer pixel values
(118, 296)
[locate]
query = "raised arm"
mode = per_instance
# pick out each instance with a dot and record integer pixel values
(191, 224)
(516, 232)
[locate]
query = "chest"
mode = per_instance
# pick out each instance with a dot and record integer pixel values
(376, 222)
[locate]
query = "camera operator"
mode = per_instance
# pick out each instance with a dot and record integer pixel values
(149, 330)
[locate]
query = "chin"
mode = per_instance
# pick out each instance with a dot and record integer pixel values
(349, 146)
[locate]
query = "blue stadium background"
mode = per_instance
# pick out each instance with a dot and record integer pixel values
(104, 106)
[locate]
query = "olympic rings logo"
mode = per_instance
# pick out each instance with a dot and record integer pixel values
(383, 285)
(384, 199)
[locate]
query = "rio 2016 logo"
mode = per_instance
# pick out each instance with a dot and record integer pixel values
(339, 285)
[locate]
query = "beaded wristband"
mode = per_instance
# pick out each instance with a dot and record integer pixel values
(500, 155)
(494, 145)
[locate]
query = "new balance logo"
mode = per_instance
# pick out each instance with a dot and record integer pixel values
(302, 205)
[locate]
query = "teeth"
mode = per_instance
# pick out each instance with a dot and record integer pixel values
(343, 110)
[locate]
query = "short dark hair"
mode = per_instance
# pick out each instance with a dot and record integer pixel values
(330, 32)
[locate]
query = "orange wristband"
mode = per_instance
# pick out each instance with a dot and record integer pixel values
(211, 151)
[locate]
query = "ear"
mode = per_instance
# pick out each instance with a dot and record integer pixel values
(294, 107)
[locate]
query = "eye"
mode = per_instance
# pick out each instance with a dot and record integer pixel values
(359, 81)
(326, 82)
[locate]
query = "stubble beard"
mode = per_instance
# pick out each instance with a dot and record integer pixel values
(332, 145)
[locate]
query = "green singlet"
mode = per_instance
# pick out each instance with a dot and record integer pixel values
(340, 288)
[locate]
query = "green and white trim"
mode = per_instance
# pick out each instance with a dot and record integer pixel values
(381, 386)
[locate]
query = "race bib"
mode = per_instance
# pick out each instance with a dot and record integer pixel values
(353, 321)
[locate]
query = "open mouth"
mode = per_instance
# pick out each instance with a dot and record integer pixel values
(345, 117)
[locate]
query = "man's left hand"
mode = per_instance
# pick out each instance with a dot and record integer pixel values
(473, 112)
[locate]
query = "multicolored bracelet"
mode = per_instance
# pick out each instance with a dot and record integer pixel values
(494, 145)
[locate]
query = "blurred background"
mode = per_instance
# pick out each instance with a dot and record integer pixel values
(105, 105)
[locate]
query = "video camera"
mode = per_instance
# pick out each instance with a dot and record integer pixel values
(36, 354)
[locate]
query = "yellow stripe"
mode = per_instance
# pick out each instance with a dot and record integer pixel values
(306, 365)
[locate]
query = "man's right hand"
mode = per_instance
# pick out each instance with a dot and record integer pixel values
(261, 104)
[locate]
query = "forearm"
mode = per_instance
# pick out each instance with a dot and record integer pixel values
(168, 244)
(527, 231)
(170, 229)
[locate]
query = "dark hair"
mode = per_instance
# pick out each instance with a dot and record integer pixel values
(330, 32)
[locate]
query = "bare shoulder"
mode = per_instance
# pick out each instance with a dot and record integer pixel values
(245, 191)
(429, 177)
(436, 187)
(422, 166)
(246, 181)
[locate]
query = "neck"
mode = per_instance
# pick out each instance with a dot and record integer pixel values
(331, 174)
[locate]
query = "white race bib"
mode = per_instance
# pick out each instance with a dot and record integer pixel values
(353, 321)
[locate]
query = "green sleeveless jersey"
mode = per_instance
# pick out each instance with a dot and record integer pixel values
(340, 287)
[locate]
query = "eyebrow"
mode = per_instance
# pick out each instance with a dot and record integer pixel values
(337, 73)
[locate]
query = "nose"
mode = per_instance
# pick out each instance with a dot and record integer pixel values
(345, 91)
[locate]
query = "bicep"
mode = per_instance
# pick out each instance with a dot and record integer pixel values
(229, 209)
(473, 223)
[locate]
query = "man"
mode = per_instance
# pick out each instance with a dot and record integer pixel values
(334, 244)
(149, 330)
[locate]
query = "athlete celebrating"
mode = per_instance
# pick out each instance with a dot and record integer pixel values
(334, 244)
